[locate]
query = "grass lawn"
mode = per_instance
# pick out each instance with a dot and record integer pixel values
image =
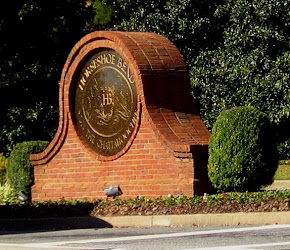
(283, 172)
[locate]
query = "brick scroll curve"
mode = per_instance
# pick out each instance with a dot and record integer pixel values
(163, 90)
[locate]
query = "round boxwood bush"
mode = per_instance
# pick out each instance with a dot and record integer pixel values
(242, 152)
(19, 169)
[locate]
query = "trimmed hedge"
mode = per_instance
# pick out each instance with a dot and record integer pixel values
(19, 170)
(242, 152)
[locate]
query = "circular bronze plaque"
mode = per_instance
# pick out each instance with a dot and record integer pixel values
(106, 103)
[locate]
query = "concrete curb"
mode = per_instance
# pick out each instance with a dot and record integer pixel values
(226, 219)
(186, 220)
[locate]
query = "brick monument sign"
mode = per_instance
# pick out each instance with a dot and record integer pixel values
(127, 119)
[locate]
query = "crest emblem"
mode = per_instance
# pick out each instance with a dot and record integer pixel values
(106, 104)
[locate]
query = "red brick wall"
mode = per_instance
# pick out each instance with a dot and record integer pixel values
(167, 153)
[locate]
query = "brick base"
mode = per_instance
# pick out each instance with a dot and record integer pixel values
(167, 153)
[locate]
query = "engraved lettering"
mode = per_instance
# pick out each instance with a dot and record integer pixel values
(93, 65)
(87, 73)
(124, 67)
(82, 83)
(118, 142)
(113, 59)
(129, 75)
(107, 99)
(120, 62)
(101, 59)
(133, 122)
(90, 137)
(124, 136)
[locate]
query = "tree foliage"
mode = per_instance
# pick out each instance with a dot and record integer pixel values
(242, 152)
(35, 39)
(238, 51)
(103, 12)
(252, 67)
(190, 25)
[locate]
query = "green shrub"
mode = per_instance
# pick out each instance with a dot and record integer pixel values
(3, 167)
(19, 170)
(7, 194)
(242, 152)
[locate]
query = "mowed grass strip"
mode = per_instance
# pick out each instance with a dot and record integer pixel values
(283, 172)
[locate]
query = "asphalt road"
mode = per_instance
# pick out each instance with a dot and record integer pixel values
(254, 237)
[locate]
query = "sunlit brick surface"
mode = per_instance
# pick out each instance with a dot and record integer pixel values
(167, 153)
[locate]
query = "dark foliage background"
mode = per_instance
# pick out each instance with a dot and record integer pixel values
(238, 54)
(35, 39)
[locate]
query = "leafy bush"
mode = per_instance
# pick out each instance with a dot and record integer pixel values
(3, 166)
(7, 194)
(251, 67)
(242, 152)
(19, 170)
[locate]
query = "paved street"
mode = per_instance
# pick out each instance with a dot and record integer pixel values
(255, 237)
